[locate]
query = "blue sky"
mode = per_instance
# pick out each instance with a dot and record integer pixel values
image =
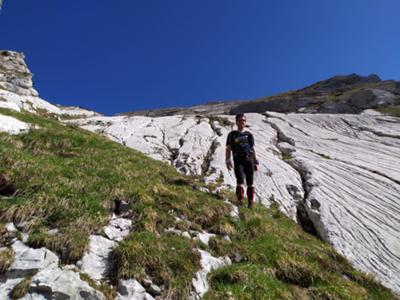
(125, 55)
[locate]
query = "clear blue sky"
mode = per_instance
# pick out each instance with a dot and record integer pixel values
(124, 55)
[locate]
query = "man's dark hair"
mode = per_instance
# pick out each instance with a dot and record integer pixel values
(238, 116)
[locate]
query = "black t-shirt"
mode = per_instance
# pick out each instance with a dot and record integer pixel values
(241, 143)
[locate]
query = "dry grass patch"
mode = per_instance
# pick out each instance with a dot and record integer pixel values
(6, 259)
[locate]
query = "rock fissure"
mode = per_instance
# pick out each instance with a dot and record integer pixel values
(173, 153)
(301, 213)
(379, 133)
(205, 167)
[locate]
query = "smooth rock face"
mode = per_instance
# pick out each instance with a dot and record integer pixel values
(345, 165)
(350, 165)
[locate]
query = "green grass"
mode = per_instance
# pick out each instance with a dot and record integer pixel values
(281, 261)
(392, 110)
(287, 156)
(169, 260)
(69, 179)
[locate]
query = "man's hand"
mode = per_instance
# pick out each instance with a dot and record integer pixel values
(256, 163)
(228, 163)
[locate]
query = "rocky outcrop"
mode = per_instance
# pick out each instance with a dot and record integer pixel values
(17, 91)
(337, 175)
(45, 279)
(15, 76)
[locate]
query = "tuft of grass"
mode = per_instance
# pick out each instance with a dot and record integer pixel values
(22, 288)
(6, 259)
(245, 281)
(108, 292)
(286, 156)
(168, 260)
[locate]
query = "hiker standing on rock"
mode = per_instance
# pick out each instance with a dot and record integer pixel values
(241, 144)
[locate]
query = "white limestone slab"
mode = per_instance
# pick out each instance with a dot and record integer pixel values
(350, 164)
(95, 260)
(131, 289)
(55, 283)
(27, 259)
(208, 263)
(11, 125)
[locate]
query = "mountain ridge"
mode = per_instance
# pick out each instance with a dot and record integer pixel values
(338, 94)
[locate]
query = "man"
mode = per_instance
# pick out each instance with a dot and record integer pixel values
(241, 144)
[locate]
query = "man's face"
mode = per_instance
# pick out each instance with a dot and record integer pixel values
(241, 122)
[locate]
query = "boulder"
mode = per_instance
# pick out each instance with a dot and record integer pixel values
(131, 289)
(28, 260)
(95, 261)
(55, 283)
(117, 229)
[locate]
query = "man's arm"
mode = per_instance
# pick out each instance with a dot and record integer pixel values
(253, 151)
(228, 160)
(256, 163)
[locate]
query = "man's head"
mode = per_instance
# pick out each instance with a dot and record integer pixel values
(240, 121)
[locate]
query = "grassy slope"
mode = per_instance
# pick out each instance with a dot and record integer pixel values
(68, 178)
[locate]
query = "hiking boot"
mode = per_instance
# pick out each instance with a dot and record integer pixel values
(250, 196)
(240, 195)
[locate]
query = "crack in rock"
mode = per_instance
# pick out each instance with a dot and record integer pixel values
(301, 214)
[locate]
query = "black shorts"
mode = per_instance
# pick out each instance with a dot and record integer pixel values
(244, 168)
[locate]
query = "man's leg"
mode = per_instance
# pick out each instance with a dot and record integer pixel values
(239, 173)
(250, 196)
(249, 171)
(240, 194)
